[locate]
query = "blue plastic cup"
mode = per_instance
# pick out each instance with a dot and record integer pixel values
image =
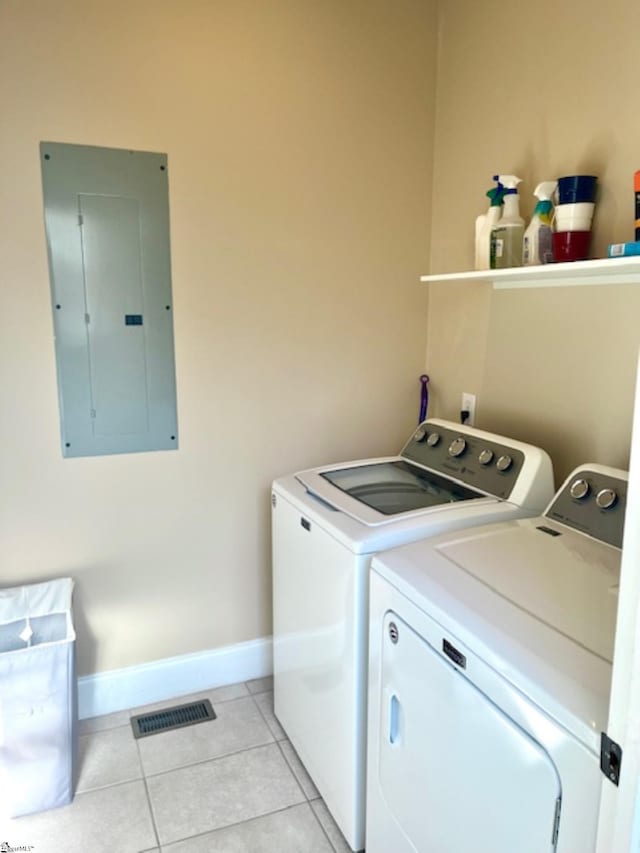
(576, 189)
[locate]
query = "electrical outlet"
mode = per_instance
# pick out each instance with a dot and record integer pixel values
(469, 405)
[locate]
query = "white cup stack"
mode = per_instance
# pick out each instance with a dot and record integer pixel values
(574, 217)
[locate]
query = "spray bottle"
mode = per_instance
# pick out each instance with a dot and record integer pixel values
(538, 245)
(507, 234)
(485, 223)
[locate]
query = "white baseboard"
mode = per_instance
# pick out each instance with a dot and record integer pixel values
(120, 689)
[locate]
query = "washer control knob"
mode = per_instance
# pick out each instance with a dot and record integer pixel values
(579, 489)
(486, 456)
(504, 462)
(433, 439)
(420, 434)
(606, 498)
(457, 446)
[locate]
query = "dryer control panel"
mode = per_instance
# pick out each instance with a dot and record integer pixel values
(468, 455)
(593, 500)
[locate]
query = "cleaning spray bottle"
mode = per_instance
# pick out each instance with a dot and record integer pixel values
(485, 223)
(507, 234)
(538, 243)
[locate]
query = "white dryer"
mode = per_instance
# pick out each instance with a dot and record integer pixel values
(327, 524)
(489, 679)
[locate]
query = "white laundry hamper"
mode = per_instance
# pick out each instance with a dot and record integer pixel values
(38, 698)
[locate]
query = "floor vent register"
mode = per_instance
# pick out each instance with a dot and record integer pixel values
(172, 718)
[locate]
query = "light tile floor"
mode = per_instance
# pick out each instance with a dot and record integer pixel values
(233, 785)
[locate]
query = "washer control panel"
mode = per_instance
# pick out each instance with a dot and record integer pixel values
(593, 502)
(488, 465)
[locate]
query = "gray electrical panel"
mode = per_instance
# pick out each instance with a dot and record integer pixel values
(107, 223)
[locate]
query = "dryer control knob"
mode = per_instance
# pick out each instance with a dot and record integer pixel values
(433, 439)
(504, 463)
(420, 434)
(579, 489)
(485, 457)
(606, 498)
(457, 446)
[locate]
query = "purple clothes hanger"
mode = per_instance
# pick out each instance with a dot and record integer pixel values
(424, 397)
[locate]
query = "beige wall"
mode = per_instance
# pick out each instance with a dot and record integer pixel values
(539, 91)
(299, 137)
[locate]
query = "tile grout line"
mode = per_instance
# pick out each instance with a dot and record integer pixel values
(321, 825)
(117, 784)
(264, 719)
(208, 760)
(266, 722)
(108, 785)
(256, 692)
(146, 790)
(237, 823)
(167, 704)
(291, 770)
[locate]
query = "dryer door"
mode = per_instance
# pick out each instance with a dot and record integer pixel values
(456, 773)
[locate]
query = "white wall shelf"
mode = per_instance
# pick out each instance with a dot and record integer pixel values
(579, 273)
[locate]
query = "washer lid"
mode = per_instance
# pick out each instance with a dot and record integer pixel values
(377, 491)
(397, 486)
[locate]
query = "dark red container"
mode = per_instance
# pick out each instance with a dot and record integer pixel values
(571, 246)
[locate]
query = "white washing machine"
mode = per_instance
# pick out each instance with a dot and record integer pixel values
(489, 679)
(327, 524)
